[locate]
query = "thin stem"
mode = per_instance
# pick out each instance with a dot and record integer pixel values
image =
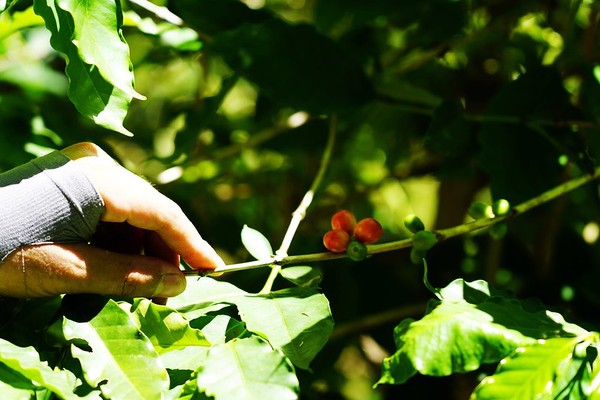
(161, 12)
(300, 212)
(442, 234)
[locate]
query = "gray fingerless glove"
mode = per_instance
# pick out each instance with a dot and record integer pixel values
(47, 200)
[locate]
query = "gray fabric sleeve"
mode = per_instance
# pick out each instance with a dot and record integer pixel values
(47, 200)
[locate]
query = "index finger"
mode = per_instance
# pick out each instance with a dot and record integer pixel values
(153, 211)
(129, 198)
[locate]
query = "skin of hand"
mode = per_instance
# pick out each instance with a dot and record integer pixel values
(135, 251)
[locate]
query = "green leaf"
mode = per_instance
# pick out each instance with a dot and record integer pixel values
(454, 337)
(100, 42)
(527, 316)
(296, 320)
(98, 66)
(542, 370)
(221, 328)
(471, 325)
(256, 243)
(167, 329)
(14, 393)
(248, 369)
(304, 276)
(25, 361)
(204, 295)
(118, 357)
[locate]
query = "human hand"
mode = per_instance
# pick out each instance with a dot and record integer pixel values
(135, 251)
(128, 198)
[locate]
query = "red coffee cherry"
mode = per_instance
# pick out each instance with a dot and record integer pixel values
(368, 230)
(336, 240)
(343, 220)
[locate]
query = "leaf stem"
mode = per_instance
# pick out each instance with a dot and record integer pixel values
(441, 235)
(161, 12)
(300, 212)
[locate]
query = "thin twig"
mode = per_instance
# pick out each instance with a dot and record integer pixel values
(442, 234)
(300, 212)
(161, 12)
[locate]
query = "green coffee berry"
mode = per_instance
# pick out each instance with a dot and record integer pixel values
(417, 256)
(498, 231)
(480, 210)
(424, 240)
(413, 223)
(356, 251)
(500, 207)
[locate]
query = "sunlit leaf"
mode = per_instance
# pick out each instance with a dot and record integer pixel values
(302, 275)
(204, 295)
(167, 329)
(544, 369)
(471, 325)
(248, 369)
(117, 355)
(454, 337)
(296, 320)
(256, 243)
(25, 363)
(101, 80)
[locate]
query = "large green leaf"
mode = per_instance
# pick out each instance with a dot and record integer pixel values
(13, 393)
(296, 320)
(26, 366)
(248, 369)
(88, 34)
(543, 370)
(167, 329)
(454, 337)
(97, 35)
(117, 355)
(203, 295)
(471, 325)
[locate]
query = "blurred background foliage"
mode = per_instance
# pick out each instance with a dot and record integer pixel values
(439, 103)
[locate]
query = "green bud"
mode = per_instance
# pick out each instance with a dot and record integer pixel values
(500, 207)
(424, 240)
(413, 223)
(417, 256)
(498, 231)
(356, 250)
(480, 210)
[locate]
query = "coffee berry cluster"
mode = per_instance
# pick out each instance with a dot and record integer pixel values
(347, 235)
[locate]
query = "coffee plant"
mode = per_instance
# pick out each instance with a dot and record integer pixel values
(465, 133)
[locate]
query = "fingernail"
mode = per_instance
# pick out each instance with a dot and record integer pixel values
(171, 285)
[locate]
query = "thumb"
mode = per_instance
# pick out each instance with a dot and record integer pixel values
(54, 269)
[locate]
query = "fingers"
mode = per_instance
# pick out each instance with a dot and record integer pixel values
(48, 270)
(129, 198)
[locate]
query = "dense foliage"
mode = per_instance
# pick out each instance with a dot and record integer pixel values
(232, 107)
